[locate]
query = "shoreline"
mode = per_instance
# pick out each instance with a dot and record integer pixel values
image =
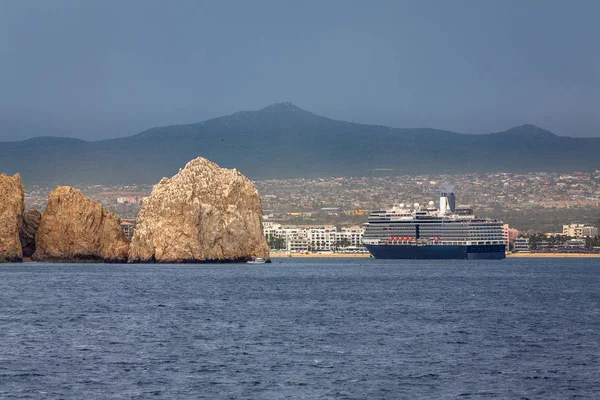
(320, 255)
(553, 255)
(366, 255)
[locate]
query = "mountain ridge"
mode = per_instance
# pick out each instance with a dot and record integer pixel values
(283, 140)
(277, 107)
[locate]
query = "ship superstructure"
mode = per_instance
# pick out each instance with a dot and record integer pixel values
(427, 232)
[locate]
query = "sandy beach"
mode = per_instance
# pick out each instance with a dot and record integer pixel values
(510, 255)
(319, 255)
(551, 255)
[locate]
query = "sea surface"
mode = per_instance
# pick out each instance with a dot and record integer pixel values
(302, 329)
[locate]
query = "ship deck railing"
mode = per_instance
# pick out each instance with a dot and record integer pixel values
(422, 242)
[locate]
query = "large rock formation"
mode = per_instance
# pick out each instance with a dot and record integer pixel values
(202, 214)
(31, 223)
(76, 229)
(12, 205)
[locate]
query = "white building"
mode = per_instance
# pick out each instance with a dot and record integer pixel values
(298, 246)
(322, 238)
(129, 200)
(350, 236)
(580, 230)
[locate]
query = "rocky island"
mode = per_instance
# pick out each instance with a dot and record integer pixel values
(75, 229)
(202, 214)
(12, 205)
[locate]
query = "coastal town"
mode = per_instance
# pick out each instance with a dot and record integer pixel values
(541, 211)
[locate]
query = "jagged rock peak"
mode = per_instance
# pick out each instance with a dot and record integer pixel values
(12, 205)
(204, 213)
(75, 229)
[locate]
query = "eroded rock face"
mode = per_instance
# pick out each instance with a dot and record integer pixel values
(12, 205)
(75, 229)
(31, 223)
(204, 213)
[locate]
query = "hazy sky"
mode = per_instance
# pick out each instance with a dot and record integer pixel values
(100, 69)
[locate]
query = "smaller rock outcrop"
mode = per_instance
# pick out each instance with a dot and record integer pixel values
(203, 214)
(31, 223)
(12, 205)
(75, 229)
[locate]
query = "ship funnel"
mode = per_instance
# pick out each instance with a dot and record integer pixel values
(452, 202)
(444, 204)
(447, 203)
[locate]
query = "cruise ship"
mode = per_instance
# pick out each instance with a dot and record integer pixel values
(427, 232)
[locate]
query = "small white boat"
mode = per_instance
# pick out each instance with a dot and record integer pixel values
(257, 260)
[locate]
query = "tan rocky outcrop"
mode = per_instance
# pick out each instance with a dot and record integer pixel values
(76, 229)
(204, 213)
(12, 205)
(31, 223)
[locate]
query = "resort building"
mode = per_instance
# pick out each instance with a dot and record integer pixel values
(522, 244)
(574, 244)
(302, 239)
(580, 230)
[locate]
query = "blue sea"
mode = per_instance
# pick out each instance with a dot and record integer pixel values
(302, 329)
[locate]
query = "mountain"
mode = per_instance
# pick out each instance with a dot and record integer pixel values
(283, 141)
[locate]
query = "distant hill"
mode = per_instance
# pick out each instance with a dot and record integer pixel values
(283, 141)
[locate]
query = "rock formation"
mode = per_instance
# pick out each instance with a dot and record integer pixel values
(76, 229)
(12, 205)
(202, 214)
(31, 223)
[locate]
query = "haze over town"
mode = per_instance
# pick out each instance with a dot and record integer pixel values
(534, 202)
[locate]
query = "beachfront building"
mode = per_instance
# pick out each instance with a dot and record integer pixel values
(509, 235)
(522, 244)
(574, 244)
(302, 239)
(297, 246)
(290, 238)
(351, 236)
(321, 238)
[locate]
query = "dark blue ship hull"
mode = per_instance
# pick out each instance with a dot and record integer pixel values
(439, 252)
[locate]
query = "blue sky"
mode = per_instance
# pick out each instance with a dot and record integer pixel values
(100, 69)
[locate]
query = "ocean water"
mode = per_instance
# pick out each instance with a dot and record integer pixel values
(302, 329)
